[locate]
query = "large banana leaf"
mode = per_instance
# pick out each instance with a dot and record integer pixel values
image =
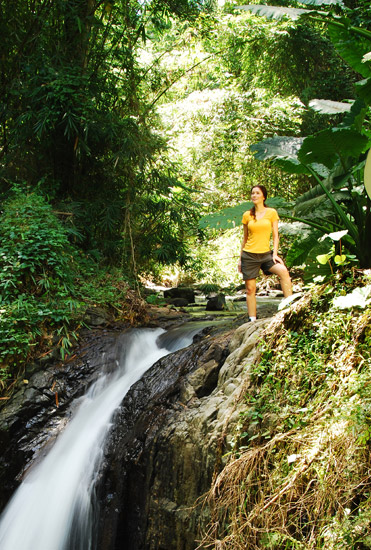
(283, 150)
(316, 207)
(348, 224)
(301, 247)
(226, 218)
(317, 192)
(330, 145)
(274, 12)
(356, 116)
(329, 107)
(353, 51)
(342, 31)
(279, 12)
(232, 216)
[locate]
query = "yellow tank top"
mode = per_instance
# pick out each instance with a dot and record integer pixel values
(259, 231)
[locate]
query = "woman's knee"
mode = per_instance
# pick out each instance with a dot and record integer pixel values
(250, 287)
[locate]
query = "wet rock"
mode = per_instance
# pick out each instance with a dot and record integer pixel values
(97, 317)
(165, 316)
(178, 302)
(168, 442)
(216, 303)
(31, 415)
(185, 293)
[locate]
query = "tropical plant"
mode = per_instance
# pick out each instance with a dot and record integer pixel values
(38, 266)
(334, 157)
(76, 112)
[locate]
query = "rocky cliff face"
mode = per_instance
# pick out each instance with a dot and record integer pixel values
(43, 403)
(169, 440)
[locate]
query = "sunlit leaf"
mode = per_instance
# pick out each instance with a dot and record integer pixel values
(329, 107)
(323, 258)
(283, 151)
(274, 12)
(340, 259)
(336, 236)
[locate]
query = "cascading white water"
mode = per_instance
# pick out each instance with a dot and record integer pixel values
(53, 507)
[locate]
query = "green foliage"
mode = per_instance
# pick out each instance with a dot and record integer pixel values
(215, 260)
(37, 268)
(298, 473)
(334, 158)
(269, 67)
(77, 116)
(234, 96)
(338, 192)
(36, 257)
(46, 284)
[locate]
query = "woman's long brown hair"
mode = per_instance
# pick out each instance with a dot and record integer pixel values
(265, 194)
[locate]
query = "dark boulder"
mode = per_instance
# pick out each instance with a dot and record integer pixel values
(185, 293)
(216, 303)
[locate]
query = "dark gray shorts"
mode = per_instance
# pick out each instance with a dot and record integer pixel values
(252, 262)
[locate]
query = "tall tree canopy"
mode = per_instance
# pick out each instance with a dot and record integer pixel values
(75, 119)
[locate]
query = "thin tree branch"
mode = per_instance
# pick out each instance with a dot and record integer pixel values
(188, 71)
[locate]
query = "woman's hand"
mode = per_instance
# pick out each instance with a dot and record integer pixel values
(239, 266)
(277, 259)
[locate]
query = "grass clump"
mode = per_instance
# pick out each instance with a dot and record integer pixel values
(300, 477)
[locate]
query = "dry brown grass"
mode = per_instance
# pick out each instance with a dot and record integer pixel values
(261, 494)
(310, 487)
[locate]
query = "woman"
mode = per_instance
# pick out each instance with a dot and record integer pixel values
(258, 224)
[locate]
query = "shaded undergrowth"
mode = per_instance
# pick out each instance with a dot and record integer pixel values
(300, 475)
(47, 285)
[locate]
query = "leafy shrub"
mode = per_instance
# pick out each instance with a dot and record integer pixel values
(35, 255)
(37, 269)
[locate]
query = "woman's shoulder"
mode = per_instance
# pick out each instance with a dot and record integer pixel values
(246, 216)
(272, 213)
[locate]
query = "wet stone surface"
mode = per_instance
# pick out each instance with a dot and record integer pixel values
(166, 440)
(38, 410)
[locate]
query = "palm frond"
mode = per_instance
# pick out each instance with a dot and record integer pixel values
(329, 107)
(274, 12)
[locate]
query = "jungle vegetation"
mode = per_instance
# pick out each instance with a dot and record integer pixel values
(131, 133)
(128, 127)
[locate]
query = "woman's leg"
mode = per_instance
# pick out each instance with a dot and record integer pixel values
(250, 297)
(284, 277)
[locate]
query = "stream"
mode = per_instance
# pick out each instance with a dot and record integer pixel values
(55, 507)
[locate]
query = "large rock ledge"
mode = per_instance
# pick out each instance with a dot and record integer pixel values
(39, 410)
(169, 440)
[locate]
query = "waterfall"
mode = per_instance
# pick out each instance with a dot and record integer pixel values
(54, 507)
